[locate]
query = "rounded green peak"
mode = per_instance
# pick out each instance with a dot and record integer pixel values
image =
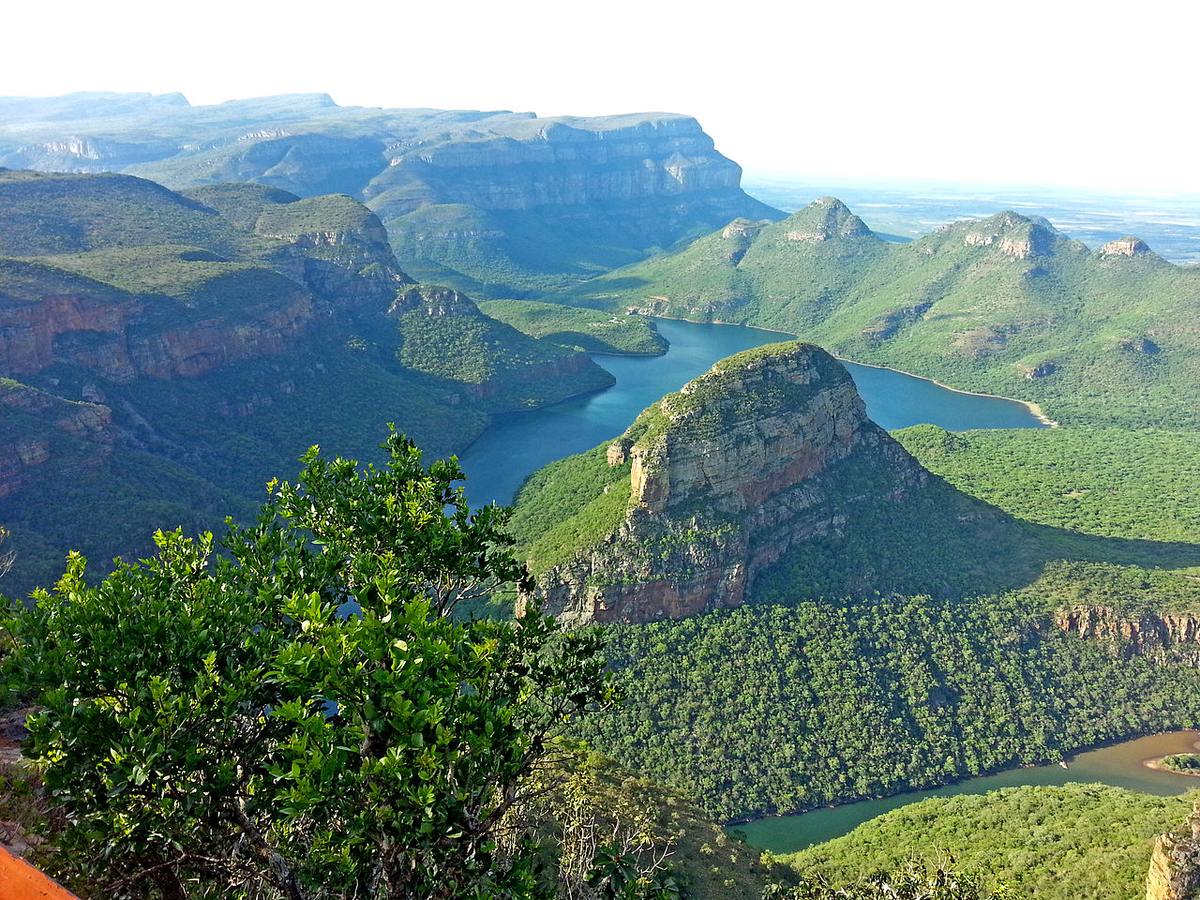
(824, 219)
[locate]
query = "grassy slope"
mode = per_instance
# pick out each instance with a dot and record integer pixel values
(1101, 481)
(54, 214)
(952, 306)
(1078, 842)
(596, 332)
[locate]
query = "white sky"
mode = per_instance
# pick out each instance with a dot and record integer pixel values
(1022, 91)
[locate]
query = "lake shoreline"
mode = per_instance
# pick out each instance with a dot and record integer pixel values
(1034, 409)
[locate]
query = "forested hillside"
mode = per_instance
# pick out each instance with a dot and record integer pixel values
(878, 665)
(162, 355)
(1057, 843)
(1004, 305)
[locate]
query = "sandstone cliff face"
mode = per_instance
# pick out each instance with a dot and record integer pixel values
(1175, 863)
(1126, 246)
(558, 162)
(1013, 235)
(106, 338)
(1162, 638)
(433, 300)
(766, 450)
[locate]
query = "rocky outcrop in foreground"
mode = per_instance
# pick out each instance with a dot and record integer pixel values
(1175, 864)
(768, 449)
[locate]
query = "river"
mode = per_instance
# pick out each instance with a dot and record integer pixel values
(1120, 765)
(518, 444)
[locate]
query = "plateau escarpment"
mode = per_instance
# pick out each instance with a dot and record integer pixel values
(1161, 637)
(494, 202)
(714, 484)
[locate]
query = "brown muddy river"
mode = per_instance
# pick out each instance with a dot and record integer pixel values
(1121, 765)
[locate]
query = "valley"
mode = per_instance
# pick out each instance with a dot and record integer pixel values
(821, 579)
(1121, 765)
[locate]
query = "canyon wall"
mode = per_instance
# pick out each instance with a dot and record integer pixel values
(1175, 863)
(1161, 637)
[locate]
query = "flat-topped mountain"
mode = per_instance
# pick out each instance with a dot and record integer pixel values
(709, 487)
(498, 203)
(1005, 305)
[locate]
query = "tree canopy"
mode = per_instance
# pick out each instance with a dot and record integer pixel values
(300, 714)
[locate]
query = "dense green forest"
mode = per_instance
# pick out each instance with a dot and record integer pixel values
(1102, 481)
(780, 708)
(1085, 841)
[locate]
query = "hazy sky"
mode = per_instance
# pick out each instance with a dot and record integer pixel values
(1094, 93)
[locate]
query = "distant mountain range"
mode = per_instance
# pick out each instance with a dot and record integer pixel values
(1005, 305)
(502, 204)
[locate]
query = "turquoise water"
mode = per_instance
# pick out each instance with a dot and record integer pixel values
(1120, 765)
(519, 444)
(897, 400)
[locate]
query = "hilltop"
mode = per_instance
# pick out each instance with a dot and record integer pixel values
(707, 488)
(1003, 305)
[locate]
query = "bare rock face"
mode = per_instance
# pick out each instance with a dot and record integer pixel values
(433, 300)
(727, 475)
(32, 333)
(200, 347)
(1126, 246)
(1013, 235)
(1175, 863)
(1041, 370)
(102, 331)
(521, 164)
(1161, 638)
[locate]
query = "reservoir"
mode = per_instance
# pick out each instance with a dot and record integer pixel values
(1120, 765)
(518, 444)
